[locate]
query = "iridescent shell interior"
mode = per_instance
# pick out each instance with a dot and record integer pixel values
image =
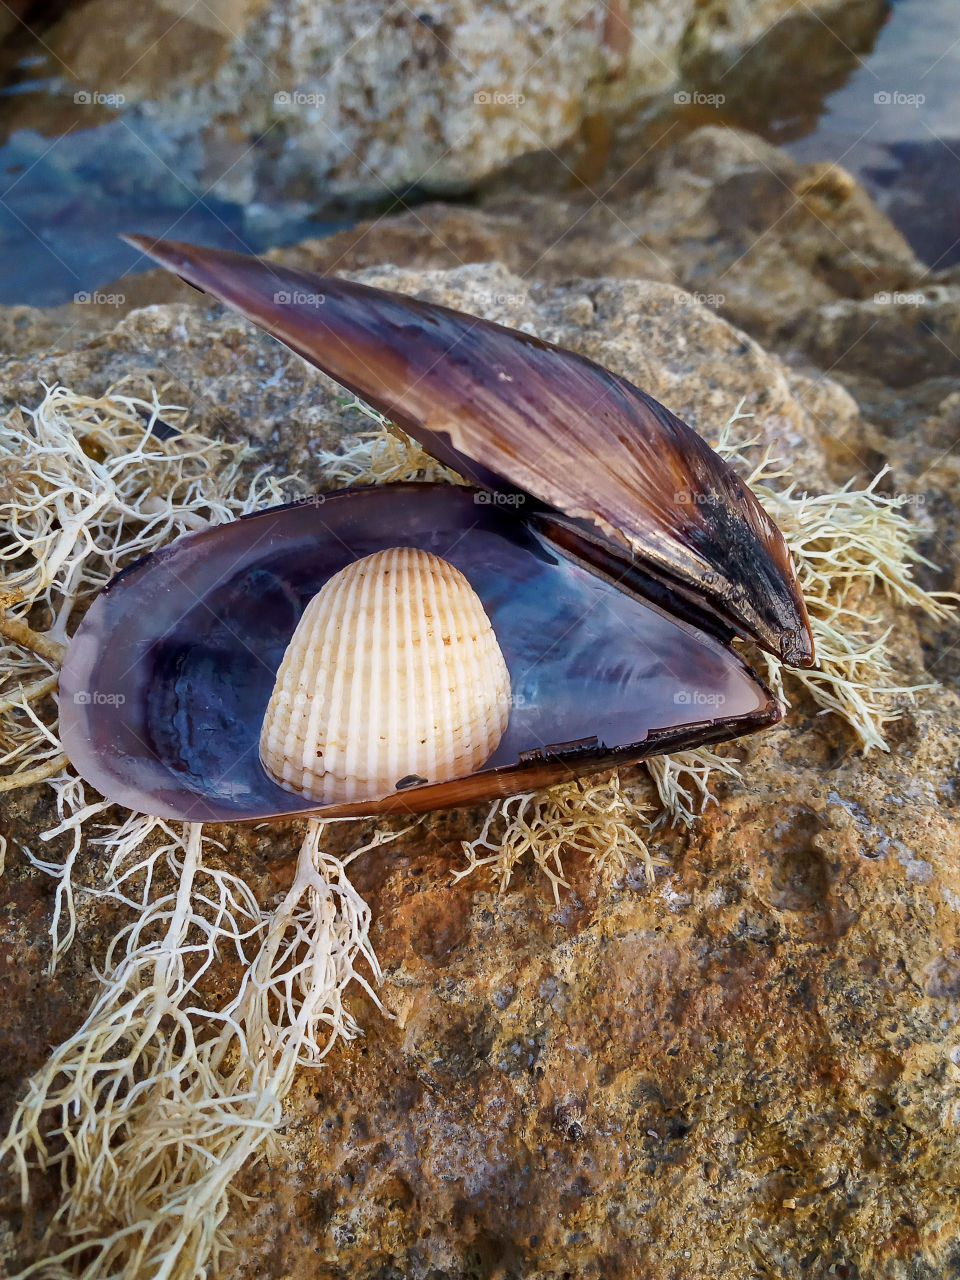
(165, 685)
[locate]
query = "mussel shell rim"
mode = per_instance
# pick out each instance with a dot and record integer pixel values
(502, 780)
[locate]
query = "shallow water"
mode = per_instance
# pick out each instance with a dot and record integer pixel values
(895, 125)
(77, 175)
(67, 198)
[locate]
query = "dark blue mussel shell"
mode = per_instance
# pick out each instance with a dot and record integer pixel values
(627, 559)
(165, 684)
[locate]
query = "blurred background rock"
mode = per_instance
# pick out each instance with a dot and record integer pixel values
(251, 123)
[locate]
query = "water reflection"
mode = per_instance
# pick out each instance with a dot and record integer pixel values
(64, 198)
(893, 123)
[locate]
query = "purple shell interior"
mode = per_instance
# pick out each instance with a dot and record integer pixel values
(166, 682)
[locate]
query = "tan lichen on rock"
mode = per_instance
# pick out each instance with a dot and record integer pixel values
(595, 819)
(851, 546)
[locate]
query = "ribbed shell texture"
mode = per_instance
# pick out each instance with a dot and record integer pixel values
(393, 673)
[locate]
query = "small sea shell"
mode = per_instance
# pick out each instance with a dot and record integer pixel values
(393, 675)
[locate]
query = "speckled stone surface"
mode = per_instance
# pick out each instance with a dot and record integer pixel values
(306, 99)
(796, 254)
(752, 1069)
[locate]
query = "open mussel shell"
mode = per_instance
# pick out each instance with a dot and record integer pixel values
(631, 481)
(165, 685)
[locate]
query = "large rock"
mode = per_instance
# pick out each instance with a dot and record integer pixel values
(754, 1066)
(354, 96)
(796, 254)
(758, 1061)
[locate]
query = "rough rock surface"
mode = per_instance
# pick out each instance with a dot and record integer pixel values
(359, 97)
(754, 1068)
(798, 255)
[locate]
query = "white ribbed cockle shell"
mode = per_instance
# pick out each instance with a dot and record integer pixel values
(393, 674)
